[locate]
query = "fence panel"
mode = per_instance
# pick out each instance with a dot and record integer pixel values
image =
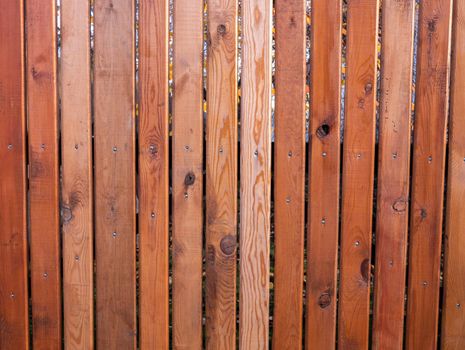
(453, 319)
(13, 231)
(114, 151)
(428, 173)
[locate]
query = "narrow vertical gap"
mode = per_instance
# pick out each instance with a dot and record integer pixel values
(413, 84)
(341, 160)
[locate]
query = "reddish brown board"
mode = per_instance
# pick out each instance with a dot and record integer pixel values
(77, 197)
(323, 208)
(357, 175)
(289, 170)
(255, 174)
(428, 173)
(393, 173)
(153, 174)
(14, 329)
(221, 177)
(114, 154)
(453, 320)
(187, 174)
(43, 174)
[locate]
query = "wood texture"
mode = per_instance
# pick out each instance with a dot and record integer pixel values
(115, 174)
(255, 175)
(453, 319)
(428, 173)
(221, 176)
(323, 208)
(357, 175)
(187, 174)
(289, 170)
(77, 184)
(14, 322)
(43, 174)
(393, 173)
(153, 174)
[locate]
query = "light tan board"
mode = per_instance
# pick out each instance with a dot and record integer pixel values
(357, 175)
(14, 329)
(187, 174)
(77, 184)
(114, 153)
(255, 174)
(393, 173)
(221, 167)
(153, 174)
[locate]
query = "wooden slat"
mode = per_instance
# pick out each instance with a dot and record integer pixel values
(221, 177)
(323, 209)
(453, 321)
(357, 176)
(115, 174)
(153, 174)
(289, 170)
(77, 205)
(43, 174)
(393, 173)
(255, 174)
(428, 173)
(187, 174)
(14, 329)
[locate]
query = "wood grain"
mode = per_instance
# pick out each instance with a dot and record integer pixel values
(325, 158)
(428, 173)
(255, 174)
(289, 170)
(393, 173)
(43, 174)
(221, 175)
(357, 175)
(114, 147)
(153, 175)
(453, 319)
(187, 175)
(77, 183)
(14, 322)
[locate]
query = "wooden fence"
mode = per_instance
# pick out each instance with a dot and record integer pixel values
(160, 185)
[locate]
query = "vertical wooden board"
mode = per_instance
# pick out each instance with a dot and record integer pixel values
(114, 154)
(77, 197)
(153, 174)
(428, 173)
(255, 174)
(393, 173)
(221, 177)
(357, 175)
(43, 174)
(289, 170)
(187, 174)
(14, 329)
(453, 321)
(323, 208)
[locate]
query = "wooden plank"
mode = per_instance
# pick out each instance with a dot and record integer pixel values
(393, 173)
(115, 174)
(428, 173)
(43, 174)
(255, 174)
(221, 167)
(357, 175)
(289, 170)
(453, 319)
(187, 174)
(77, 183)
(153, 175)
(323, 208)
(14, 329)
